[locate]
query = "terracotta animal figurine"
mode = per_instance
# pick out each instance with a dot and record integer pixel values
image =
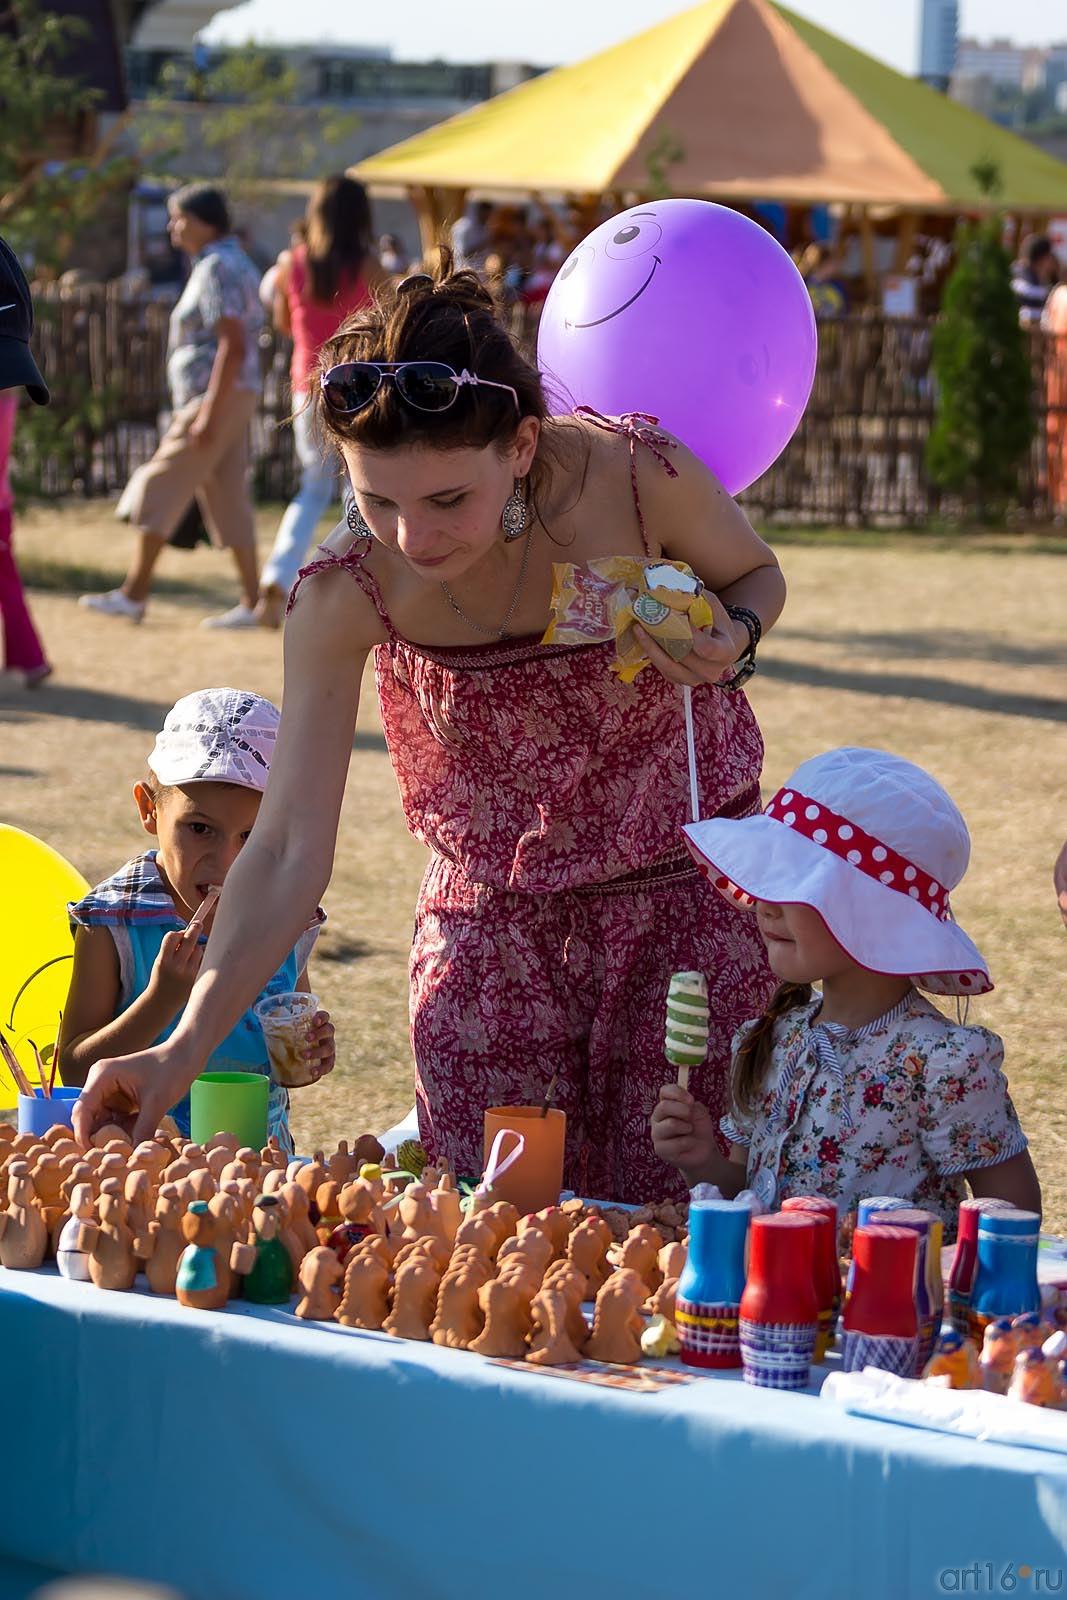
(165, 1242)
(203, 1280)
(71, 1258)
(507, 1321)
(365, 1298)
(587, 1248)
(414, 1298)
(459, 1318)
(446, 1208)
(229, 1230)
(640, 1252)
(565, 1275)
(320, 1275)
(299, 1216)
(617, 1324)
(550, 1345)
(47, 1183)
(112, 1263)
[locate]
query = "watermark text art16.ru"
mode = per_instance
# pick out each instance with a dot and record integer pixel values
(987, 1577)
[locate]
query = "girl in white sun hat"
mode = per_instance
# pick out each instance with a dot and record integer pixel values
(865, 1088)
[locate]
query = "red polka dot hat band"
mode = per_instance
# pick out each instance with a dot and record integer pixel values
(871, 842)
(861, 850)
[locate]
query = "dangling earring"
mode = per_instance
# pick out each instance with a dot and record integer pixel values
(516, 514)
(356, 524)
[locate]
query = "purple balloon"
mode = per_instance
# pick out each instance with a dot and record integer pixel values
(694, 313)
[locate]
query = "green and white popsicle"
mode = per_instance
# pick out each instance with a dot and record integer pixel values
(686, 1043)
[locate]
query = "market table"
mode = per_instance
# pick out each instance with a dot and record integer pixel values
(243, 1455)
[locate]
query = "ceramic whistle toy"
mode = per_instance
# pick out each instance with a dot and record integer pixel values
(779, 1311)
(708, 1299)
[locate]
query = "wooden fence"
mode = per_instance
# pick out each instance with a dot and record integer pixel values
(857, 457)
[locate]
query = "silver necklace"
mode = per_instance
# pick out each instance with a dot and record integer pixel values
(479, 627)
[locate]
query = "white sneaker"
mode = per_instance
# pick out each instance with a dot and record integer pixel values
(114, 604)
(241, 616)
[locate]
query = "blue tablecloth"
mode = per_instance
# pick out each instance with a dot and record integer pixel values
(243, 1455)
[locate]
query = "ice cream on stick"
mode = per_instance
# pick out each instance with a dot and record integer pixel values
(686, 1042)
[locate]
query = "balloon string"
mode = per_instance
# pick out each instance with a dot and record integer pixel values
(691, 750)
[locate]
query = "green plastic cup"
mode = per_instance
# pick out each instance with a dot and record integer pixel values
(230, 1102)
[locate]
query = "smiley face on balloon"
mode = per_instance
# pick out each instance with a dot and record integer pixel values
(693, 313)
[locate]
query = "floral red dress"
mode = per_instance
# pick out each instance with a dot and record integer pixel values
(559, 897)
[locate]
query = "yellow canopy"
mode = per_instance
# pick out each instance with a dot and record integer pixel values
(732, 99)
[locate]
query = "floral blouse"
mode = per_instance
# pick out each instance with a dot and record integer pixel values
(902, 1106)
(223, 283)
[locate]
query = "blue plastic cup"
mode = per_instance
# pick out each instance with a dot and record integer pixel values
(39, 1112)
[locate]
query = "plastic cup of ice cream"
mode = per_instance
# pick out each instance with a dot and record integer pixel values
(286, 1021)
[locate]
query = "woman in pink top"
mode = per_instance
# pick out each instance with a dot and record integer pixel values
(559, 896)
(317, 285)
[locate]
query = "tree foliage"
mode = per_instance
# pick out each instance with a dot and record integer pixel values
(47, 192)
(251, 127)
(984, 422)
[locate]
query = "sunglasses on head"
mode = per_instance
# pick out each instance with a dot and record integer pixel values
(422, 385)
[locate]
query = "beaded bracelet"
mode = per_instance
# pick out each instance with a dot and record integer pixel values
(746, 662)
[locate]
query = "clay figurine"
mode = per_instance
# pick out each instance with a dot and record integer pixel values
(47, 1177)
(999, 1350)
(446, 1207)
(507, 1321)
(956, 1359)
(477, 1231)
(368, 1148)
(265, 1265)
(23, 1235)
(299, 1216)
(550, 1345)
(414, 1298)
(617, 1324)
(72, 1260)
(640, 1252)
(417, 1214)
(660, 1339)
(459, 1319)
(365, 1298)
(360, 1216)
(320, 1276)
(587, 1248)
(565, 1275)
(1036, 1379)
(112, 1263)
(229, 1230)
(203, 1280)
(165, 1242)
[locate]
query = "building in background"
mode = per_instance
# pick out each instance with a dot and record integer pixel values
(938, 28)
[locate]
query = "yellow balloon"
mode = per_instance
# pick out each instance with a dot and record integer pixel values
(36, 947)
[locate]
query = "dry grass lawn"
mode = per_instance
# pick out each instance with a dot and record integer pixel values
(952, 653)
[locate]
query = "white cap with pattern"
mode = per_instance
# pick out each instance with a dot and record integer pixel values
(217, 736)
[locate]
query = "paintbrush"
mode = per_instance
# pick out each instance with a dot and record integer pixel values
(547, 1101)
(22, 1083)
(55, 1056)
(45, 1090)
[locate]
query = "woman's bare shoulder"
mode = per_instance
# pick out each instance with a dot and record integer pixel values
(336, 607)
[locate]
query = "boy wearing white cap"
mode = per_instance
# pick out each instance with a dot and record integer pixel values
(865, 1088)
(140, 935)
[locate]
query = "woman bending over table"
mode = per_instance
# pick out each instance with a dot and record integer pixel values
(559, 896)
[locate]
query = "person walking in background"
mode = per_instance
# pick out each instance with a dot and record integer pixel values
(392, 255)
(470, 236)
(24, 657)
(319, 284)
(1033, 276)
(1054, 323)
(213, 370)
